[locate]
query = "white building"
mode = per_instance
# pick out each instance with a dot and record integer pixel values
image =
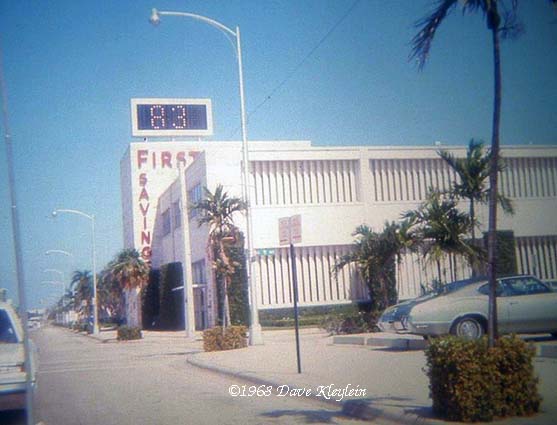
(334, 189)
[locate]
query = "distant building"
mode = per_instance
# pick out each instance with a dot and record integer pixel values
(334, 189)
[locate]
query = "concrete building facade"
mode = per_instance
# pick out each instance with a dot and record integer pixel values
(334, 189)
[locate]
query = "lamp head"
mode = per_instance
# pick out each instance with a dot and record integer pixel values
(54, 213)
(155, 19)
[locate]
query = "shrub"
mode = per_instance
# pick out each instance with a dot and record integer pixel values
(171, 310)
(128, 333)
(310, 316)
(233, 337)
(470, 382)
(506, 262)
(238, 290)
(361, 322)
(79, 327)
(150, 301)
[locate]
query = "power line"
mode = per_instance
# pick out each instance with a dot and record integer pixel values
(302, 62)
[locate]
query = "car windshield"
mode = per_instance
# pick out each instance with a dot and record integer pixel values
(7, 332)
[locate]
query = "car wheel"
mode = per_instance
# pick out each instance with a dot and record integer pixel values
(468, 327)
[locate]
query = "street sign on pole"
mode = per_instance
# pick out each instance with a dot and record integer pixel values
(296, 229)
(284, 231)
(290, 232)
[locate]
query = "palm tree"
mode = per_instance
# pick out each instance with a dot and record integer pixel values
(473, 172)
(109, 292)
(217, 210)
(440, 228)
(82, 287)
(132, 273)
(374, 255)
(500, 21)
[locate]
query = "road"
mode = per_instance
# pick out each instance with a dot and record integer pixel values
(82, 381)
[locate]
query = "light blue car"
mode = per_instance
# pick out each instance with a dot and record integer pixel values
(12, 361)
(524, 305)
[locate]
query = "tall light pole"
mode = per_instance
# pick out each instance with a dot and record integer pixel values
(62, 252)
(54, 282)
(91, 218)
(58, 251)
(19, 269)
(255, 335)
(61, 281)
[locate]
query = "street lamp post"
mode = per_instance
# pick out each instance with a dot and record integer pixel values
(61, 280)
(94, 261)
(255, 335)
(58, 251)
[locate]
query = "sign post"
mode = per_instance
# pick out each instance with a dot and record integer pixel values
(290, 232)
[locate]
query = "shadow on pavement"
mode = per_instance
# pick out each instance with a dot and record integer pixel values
(308, 416)
(373, 408)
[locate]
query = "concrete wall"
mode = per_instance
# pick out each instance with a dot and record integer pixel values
(334, 190)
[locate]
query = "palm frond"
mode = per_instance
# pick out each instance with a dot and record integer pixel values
(421, 43)
(506, 204)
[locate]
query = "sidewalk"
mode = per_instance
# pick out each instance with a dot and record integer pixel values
(396, 388)
(109, 335)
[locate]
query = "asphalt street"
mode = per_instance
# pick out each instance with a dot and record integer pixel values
(85, 382)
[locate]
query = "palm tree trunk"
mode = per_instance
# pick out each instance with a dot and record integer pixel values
(226, 305)
(473, 219)
(452, 262)
(491, 236)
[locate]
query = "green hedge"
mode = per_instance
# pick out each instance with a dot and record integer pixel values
(310, 316)
(233, 337)
(150, 301)
(171, 310)
(342, 324)
(79, 326)
(506, 263)
(238, 289)
(128, 333)
(469, 382)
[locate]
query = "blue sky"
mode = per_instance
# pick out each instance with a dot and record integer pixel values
(71, 68)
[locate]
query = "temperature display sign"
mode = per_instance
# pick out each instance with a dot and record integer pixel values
(171, 117)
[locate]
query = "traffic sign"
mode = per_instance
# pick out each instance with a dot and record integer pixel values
(290, 230)
(265, 252)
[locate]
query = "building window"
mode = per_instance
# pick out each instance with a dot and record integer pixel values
(194, 196)
(166, 222)
(177, 212)
(198, 273)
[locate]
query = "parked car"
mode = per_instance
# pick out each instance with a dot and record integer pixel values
(395, 318)
(552, 284)
(524, 305)
(12, 361)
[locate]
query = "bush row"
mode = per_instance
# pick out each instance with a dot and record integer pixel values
(128, 333)
(470, 382)
(355, 323)
(230, 338)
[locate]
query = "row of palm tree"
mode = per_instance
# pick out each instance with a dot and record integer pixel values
(436, 229)
(121, 276)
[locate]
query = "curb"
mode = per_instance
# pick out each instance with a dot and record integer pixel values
(548, 351)
(407, 344)
(394, 343)
(356, 408)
